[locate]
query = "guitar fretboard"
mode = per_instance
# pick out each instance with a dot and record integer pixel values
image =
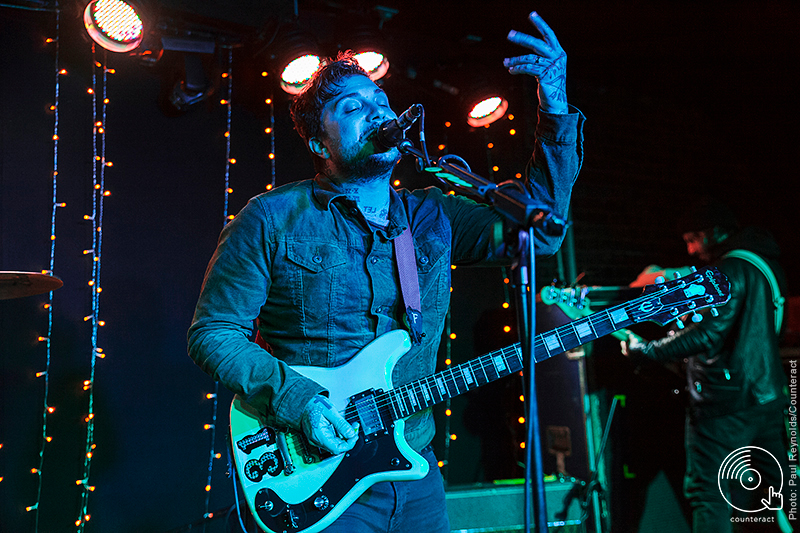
(417, 395)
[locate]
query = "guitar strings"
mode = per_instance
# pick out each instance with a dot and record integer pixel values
(394, 397)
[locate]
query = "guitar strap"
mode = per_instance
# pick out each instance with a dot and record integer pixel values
(409, 283)
(762, 265)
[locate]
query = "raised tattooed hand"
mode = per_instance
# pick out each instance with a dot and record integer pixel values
(548, 64)
(326, 428)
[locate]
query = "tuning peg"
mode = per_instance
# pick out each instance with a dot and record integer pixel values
(679, 323)
(660, 279)
(696, 317)
(714, 311)
(693, 268)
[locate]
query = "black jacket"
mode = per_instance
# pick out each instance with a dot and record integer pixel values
(733, 360)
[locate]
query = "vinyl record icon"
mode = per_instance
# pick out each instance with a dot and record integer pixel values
(747, 466)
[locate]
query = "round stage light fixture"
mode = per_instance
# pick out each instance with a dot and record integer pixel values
(113, 24)
(487, 110)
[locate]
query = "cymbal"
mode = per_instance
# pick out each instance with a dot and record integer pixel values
(19, 284)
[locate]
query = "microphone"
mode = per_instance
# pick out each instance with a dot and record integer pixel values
(392, 132)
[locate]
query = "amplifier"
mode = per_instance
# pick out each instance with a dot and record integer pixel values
(489, 508)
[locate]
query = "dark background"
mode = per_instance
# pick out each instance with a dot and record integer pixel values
(682, 99)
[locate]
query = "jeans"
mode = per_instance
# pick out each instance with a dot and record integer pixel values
(399, 507)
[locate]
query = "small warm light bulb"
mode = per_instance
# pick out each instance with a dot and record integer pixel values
(51, 409)
(453, 436)
(448, 412)
(230, 217)
(512, 132)
(229, 190)
(223, 101)
(506, 328)
(88, 455)
(447, 124)
(510, 116)
(34, 470)
(105, 100)
(452, 267)
(440, 464)
(208, 426)
(211, 395)
(505, 305)
(448, 361)
(271, 156)
(506, 280)
(227, 134)
(90, 90)
(267, 130)
(48, 438)
(490, 145)
(224, 74)
(268, 101)
(452, 335)
(232, 160)
(521, 420)
(264, 74)
(441, 147)
(208, 488)
(63, 71)
(522, 397)
(522, 445)
(495, 168)
(217, 455)
(269, 187)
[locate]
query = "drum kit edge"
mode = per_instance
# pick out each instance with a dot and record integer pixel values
(20, 284)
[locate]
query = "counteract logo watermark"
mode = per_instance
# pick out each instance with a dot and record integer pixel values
(738, 466)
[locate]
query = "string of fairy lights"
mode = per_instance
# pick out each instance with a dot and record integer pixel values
(47, 409)
(99, 193)
(214, 396)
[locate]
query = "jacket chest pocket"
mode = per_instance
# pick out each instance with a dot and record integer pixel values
(319, 276)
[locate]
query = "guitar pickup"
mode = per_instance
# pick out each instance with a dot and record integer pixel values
(369, 414)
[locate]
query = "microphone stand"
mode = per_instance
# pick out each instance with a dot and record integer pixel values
(523, 216)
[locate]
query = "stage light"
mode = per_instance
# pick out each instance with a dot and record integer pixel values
(295, 58)
(113, 24)
(364, 39)
(487, 110)
(298, 71)
(375, 63)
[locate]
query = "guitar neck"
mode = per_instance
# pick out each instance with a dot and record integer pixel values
(420, 394)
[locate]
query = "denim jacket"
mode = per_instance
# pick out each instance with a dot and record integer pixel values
(320, 282)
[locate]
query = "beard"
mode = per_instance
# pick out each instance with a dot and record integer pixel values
(365, 168)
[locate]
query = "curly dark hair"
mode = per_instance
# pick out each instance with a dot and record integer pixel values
(306, 107)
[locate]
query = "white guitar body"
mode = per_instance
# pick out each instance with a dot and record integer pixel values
(313, 494)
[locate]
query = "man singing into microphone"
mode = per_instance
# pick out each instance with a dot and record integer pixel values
(315, 264)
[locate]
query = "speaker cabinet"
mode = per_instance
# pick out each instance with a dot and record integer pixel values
(499, 509)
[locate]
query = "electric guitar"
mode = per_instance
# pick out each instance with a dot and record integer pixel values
(293, 486)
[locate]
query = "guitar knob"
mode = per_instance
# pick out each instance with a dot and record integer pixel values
(696, 317)
(714, 311)
(267, 506)
(322, 502)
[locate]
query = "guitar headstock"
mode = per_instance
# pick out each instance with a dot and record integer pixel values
(664, 302)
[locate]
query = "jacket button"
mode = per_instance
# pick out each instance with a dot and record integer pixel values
(317, 259)
(423, 260)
